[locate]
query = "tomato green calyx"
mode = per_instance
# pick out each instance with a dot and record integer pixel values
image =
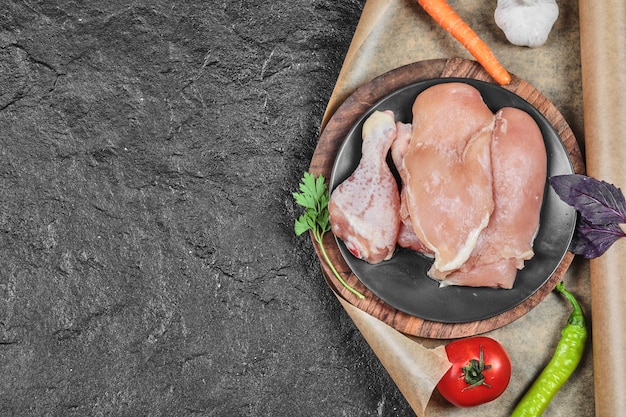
(473, 372)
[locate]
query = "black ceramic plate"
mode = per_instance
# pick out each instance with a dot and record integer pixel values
(402, 281)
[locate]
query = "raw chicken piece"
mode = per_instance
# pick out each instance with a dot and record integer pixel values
(519, 174)
(447, 169)
(364, 209)
(406, 236)
(400, 145)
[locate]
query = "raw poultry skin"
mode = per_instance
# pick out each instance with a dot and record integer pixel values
(406, 236)
(448, 173)
(364, 209)
(519, 164)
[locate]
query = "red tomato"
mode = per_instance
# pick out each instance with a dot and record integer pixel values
(468, 383)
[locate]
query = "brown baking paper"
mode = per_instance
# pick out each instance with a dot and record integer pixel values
(603, 52)
(392, 33)
(415, 368)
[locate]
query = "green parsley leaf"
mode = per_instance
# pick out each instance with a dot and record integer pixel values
(310, 192)
(301, 225)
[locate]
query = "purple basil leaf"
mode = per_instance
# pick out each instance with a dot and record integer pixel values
(591, 241)
(597, 201)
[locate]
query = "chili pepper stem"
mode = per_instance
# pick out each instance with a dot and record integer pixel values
(576, 317)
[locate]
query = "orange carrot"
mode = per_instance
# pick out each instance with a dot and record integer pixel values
(445, 16)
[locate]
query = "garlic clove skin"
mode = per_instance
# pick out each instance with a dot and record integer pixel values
(526, 22)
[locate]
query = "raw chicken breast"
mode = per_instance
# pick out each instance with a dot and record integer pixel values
(447, 169)
(519, 163)
(364, 209)
(406, 236)
(400, 145)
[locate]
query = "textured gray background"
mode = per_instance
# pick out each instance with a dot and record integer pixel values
(148, 151)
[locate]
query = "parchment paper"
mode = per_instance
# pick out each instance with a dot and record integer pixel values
(392, 33)
(415, 367)
(603, 51)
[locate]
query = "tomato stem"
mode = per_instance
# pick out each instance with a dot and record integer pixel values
(473, 372)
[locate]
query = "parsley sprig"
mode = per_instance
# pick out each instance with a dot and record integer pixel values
(314, 198)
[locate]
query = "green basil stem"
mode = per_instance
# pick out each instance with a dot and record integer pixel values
(318, 238)
(568, 354)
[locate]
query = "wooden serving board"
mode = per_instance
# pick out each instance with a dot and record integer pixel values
(322, 163)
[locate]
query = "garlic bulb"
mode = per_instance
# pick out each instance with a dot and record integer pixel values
(526, 22)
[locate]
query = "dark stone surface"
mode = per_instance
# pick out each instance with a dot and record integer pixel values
(148, 151)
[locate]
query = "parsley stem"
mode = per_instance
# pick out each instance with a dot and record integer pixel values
(318, 237)
(314, 197)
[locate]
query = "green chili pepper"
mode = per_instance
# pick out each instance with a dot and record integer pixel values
(567, 356)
